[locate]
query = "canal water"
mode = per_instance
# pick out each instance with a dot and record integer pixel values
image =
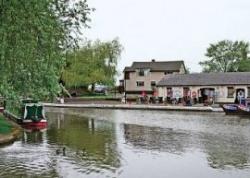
(96, 143)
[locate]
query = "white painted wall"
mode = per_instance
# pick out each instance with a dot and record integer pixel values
(151, 76)
(221, 92)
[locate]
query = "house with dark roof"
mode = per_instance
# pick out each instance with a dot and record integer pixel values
(202, 87)
(143, 76)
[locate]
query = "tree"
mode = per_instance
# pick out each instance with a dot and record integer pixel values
(34, 39)
(227, 56)
(244, 66)
(95, 62)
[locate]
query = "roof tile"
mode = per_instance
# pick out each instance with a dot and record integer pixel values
(156, 66)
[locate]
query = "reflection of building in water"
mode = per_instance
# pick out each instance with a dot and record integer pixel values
(225, 151)
(221, 150)
(91, 139)
(155, 138)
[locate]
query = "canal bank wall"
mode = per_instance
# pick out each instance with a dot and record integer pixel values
(136, 107)
(13, 135)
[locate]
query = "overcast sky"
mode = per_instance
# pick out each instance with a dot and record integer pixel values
(169, 29)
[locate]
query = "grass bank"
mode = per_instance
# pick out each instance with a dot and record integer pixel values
(5, 126)
(9, 131)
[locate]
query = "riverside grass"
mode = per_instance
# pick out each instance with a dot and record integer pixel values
(5, 127)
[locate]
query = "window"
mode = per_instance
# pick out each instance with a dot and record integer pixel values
(153, 83)
(165, 73)
(248, 92)
(127, 76)
(230, 92)
(141, 72)
(186, 91)
(140, 83)
(169, 92)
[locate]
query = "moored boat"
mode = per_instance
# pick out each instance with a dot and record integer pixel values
(244, 110)
(231, 109)
(32, 115)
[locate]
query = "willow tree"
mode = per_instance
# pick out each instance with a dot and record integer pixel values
(35, 35)
(95, 62)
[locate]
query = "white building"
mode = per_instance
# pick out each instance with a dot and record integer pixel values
(219, 87)
(143, 76)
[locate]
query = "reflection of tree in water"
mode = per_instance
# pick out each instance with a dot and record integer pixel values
(93, 142)
(28, 157)
(226, 151)
(155, 138)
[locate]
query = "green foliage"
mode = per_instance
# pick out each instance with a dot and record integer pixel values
(227, 56)
(244, 65)
(5, 127)
(96, 62)
(34, 37)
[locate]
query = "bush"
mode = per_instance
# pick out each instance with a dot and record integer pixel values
(5, 127)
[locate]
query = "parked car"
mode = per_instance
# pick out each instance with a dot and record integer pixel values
(101, 89)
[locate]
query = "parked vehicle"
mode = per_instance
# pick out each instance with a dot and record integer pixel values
(101, 89)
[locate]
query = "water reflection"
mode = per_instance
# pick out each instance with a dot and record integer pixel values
(222, 150)
(156, 138)
(89, 140)
(116, 143)
(29, 156)
(225, 151)
(71, 144)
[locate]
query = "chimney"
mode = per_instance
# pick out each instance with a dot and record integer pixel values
(153, 60)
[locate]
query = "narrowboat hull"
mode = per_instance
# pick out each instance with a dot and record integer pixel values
(245, 111)
(231, 109)
(31, 125)
(234, 109)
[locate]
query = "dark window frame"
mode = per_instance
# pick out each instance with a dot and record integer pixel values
(248, 92)
(153, 83)
(127, 75)
(141, 72)
(166, 73)
(140, 83)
